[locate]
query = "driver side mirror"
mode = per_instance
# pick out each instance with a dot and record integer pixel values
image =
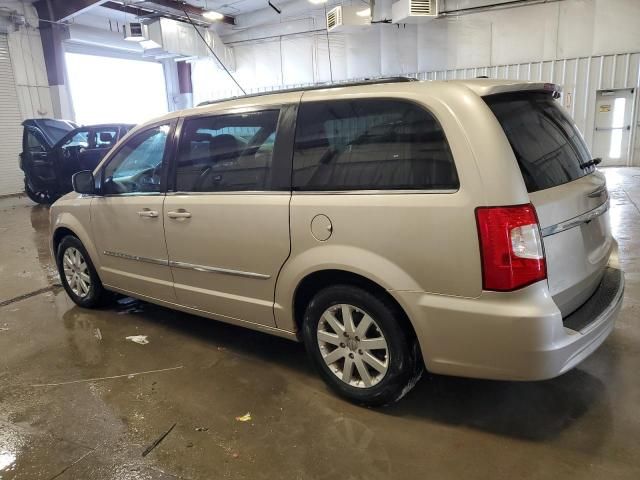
(83, 182)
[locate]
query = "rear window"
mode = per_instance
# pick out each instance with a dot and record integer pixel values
(546, 143)
(370, 145)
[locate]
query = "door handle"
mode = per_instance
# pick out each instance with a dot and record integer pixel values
(148, 213)
(179, 214)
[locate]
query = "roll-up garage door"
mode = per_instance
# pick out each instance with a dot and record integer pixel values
(10, 129)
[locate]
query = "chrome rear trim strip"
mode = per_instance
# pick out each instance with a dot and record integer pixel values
(126, 256)
(576, 221)
(226, 271)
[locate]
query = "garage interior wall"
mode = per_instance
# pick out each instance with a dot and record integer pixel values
(583, 45)
(24, 89)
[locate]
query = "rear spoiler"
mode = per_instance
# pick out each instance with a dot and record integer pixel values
(492, 88)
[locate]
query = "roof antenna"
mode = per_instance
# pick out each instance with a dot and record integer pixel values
(212, 52)
(328, 45)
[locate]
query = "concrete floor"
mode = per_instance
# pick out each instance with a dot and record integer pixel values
(79, 401)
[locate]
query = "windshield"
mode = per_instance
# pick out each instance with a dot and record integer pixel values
(55, 129)
(546, 143)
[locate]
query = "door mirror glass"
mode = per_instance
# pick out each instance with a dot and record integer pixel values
(83, 182)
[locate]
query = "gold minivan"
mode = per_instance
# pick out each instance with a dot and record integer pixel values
(393, 226)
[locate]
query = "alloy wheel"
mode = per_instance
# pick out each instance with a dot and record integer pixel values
(353, 346)
(76, 272)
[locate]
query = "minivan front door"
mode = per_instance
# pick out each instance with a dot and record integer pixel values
(127, 218)
(227, 226)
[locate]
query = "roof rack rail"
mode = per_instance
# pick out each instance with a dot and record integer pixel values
(320, 86)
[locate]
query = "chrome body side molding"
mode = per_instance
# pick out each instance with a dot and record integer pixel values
(226, 271)
(188, 266)
(576, 221)
(156, 261)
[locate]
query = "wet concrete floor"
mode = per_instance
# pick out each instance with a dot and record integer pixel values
(79, 401)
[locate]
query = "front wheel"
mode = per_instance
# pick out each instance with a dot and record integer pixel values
(360, 345)
(79, 276)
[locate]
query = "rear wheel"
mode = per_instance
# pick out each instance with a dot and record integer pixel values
(79, 276)
(360, 345)
(43, 197)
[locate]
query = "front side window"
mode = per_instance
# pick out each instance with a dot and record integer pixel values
(227, 152)
(372, 144)
(137, 166)
(34, 144)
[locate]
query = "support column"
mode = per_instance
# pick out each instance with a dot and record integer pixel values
(185, 87)
(51, 36)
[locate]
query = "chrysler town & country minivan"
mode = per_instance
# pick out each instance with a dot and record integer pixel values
(392, 226)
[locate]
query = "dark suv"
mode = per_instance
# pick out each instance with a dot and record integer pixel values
(53, 150)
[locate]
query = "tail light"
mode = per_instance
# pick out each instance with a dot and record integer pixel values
(510, 246)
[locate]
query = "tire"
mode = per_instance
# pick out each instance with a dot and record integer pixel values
(75, 267)
(43, 197)
(335, 348)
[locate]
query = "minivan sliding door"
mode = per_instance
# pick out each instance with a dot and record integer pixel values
(227, 223)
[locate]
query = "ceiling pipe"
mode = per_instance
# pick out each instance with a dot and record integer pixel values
(493, 7)
(168, 9)
(292, 10)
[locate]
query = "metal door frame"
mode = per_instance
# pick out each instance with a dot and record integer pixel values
(633, 120)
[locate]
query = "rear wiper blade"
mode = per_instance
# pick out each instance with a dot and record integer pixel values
(591, 163)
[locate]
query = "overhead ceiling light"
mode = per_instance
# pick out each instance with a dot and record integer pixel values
(213, 16)
(317, 2)
(364, 13)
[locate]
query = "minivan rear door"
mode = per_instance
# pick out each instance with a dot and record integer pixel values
(226, 220)
(569, 194)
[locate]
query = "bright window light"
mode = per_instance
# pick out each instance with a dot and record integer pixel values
(615, 148)
(618, 113)
(106, 89)
(617, 124)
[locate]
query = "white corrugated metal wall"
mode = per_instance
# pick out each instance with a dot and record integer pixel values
(10, 128)
(580, 79)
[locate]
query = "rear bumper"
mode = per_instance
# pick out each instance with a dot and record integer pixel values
(511, 336)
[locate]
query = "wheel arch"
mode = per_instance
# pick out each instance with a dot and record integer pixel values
(319, 279)
(66, 224)
(58, 234)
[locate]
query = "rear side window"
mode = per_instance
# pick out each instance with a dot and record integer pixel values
(370, 145)
(546, 143)
(227, 152)
(103, 138)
